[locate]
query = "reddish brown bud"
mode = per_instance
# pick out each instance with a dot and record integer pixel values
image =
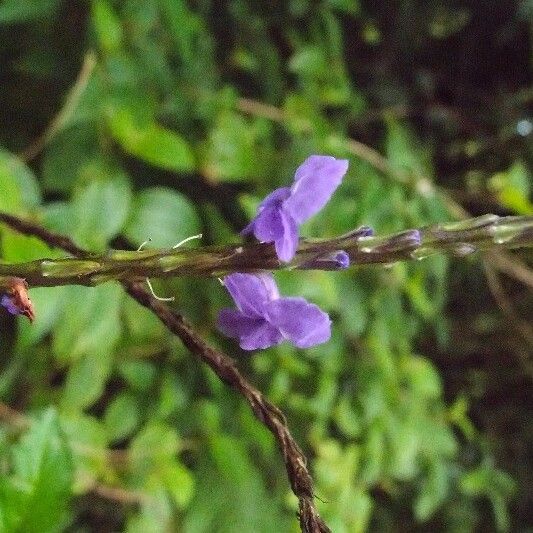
(16, 299)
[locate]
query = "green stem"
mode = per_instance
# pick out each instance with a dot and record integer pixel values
(459, 238)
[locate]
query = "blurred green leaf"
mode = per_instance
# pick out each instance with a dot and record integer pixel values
(162, 215)
(351, 7)
(237, 148)
(42, 467)
(231, 458)
(513, 188)
(85, 339)
(348, 420)
(423, 379)
(154, 446)
(404, 151)
(66, 157)
(88, 441)
(89, 322)
(100, 207)
(151, 142)
(155, 514)
(18, 184)
(433, 491)
(107, 25)
(122, 416)
(180, 483)
(139, 374)
(172, 395)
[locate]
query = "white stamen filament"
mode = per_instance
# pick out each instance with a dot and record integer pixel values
(161, 299)
(199, 236)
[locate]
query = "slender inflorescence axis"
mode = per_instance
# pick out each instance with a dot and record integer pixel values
(486, 233)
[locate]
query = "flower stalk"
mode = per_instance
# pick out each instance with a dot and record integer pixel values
(488, 232)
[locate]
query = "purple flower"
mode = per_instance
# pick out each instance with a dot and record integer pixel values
(283, 210)
(263, 318)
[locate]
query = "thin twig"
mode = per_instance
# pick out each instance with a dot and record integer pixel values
(512, 266)
(120, 495)
(522, 327)
(64, 115)
(225, 368)
(13, 418)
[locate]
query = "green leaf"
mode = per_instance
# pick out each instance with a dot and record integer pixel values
(153, 453)
(42, 466)
(13, 499)
(179, 482)
(404, 151)
(433, 491)
(85, 338)
(107, 26)
(231, 458)
(346, 417)
(57, 216)
(422, 377)
(237, 148)
(17, 248)
(172, 396)
(139, 374)
(90, 321)
(143, 326)
(309, 61)
(151, 142)
(18, 185)
(162, 215)
(155, 445)
(122, 416)
(86, 380)
(351, 7)
(88, 442)
(100, 208)
(67, 155)
(225, 507)
(513, 188)
(194, 45)
(156, 514)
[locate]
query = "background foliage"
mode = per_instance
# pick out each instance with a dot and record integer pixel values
(164, 118)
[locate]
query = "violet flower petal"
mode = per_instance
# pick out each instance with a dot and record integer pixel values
(250, 293)
(287, 243)
(235, 324)
(300, 322)
(263, 336)
(253, 333)
(315, 181)
(267, 279)
(275, 198)
(266, 226)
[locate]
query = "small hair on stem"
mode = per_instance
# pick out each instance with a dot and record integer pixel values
(199, 236)
(152, 292)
